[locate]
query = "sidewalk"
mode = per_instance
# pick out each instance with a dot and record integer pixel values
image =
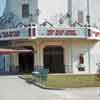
(79, 94)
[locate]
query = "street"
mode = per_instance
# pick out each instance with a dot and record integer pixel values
(14, 88)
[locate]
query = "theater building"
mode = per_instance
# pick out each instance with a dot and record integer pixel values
(59, 47)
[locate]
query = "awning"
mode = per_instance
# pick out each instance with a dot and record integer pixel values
(10, 51)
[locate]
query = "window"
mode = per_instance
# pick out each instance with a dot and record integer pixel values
(81, 59)
(81, 62)
(25, 10)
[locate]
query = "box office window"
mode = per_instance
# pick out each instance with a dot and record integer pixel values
(81, 59)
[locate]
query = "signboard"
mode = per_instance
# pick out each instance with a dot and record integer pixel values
(9, 34)
(23, 32)
(61, 32)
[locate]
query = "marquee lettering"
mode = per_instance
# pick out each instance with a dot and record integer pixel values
(9, 34)
(61, 32)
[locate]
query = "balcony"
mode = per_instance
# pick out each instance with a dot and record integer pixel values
(69, 32)
(18, 33)
(62, 32)
(35, 32)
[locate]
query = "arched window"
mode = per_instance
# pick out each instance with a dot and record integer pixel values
(25, 10)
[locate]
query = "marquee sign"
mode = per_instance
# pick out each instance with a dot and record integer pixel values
(23, 32)
(9, 34)
(61, 32)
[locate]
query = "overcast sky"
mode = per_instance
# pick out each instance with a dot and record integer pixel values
(2, 5)
(54, 7)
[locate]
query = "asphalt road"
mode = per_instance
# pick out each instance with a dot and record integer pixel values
(14, 88)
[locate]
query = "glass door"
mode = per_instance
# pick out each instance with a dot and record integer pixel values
(2, 65)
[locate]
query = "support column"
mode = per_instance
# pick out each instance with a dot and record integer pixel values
(71, 54)
(38, 56)
(89, 68)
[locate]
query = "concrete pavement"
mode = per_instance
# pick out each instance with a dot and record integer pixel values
(14, 88)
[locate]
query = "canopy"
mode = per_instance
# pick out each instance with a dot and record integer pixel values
(10, 51)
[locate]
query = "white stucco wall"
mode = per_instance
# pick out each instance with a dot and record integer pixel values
(78, 47)
(89, 49)
(95, 56)
(72, 49)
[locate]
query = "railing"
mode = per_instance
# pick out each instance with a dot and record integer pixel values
(17, 32)
(35, 31)
(82, 32)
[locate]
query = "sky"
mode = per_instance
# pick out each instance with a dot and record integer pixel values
(52, 8)
(2, 6)
(57, 7)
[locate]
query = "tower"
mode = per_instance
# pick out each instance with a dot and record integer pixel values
(26, 10)
(69, 12)
(80, 16)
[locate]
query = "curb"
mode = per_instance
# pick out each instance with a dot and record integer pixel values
(51, 88)
(39, 84)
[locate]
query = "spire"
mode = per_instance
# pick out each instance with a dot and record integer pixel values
(69, 13)
(88, 13)
(88, 16)
(7, 4)
(2, 7)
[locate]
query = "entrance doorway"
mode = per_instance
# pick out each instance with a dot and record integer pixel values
(4, 63)
(54, 59)
(26, 61)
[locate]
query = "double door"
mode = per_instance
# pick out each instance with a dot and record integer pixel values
(54, 59)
